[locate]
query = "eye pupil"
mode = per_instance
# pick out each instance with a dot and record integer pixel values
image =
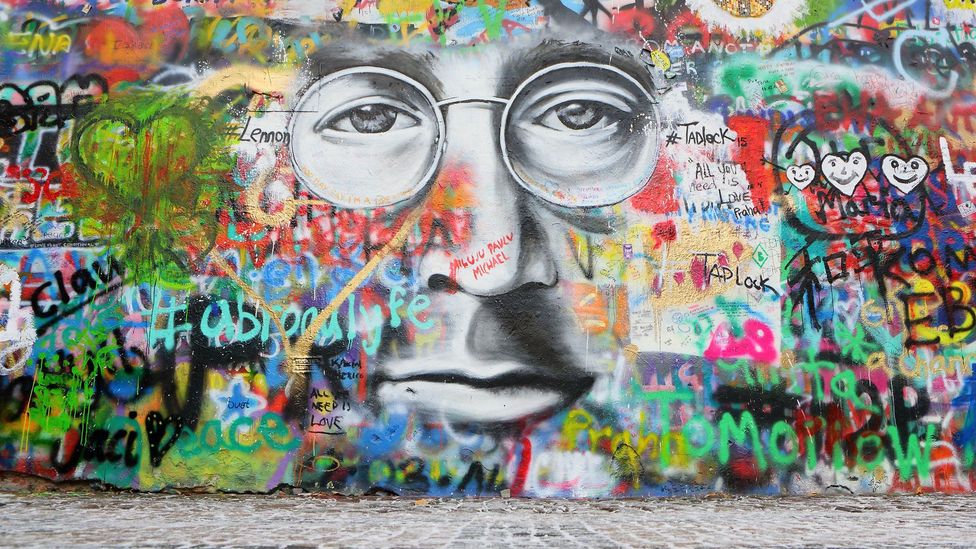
(578, 115)
(373, 118)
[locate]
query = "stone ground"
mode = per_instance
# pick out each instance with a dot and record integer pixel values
(86, 519)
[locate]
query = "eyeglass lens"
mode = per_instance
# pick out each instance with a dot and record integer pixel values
(581, 135)
(366, 138)
(575, 135)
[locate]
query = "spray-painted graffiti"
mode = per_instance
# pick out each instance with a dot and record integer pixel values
(543, 248)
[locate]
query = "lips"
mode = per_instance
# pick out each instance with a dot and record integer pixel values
(501, 399)
(839, 179)
(514, 380)
(468, 386)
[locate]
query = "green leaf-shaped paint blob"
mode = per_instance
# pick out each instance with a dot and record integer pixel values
(153, 165)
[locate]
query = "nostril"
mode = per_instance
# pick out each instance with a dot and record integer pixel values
(442, 283)
(536, 286)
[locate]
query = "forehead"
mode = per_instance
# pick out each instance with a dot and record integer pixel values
(492, 69)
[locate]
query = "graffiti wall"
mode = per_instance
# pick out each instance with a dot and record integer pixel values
(566, 248)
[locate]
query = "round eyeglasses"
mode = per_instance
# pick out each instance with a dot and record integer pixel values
(574, 134)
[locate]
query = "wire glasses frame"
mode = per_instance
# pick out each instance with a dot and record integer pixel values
(566, 167)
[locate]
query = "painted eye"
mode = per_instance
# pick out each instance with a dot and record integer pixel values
(373, 118)
(855, 159)
(916, 164)
(580, 115)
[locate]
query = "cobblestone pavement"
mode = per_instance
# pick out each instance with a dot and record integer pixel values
(140, 520)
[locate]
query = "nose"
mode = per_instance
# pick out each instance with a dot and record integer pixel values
(504, 246)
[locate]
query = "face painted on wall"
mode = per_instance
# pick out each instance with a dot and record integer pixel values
(539, 142)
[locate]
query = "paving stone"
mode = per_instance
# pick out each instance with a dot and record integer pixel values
(187, 521)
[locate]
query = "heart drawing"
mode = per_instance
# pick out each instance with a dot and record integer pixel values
(844, 174)
(801, 176)
(903, 174)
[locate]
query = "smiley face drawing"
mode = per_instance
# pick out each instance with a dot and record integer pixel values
(903, 174)
(801, 176)
(844, 174)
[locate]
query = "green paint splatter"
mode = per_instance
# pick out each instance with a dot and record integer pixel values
(818, 11)
(153, 167)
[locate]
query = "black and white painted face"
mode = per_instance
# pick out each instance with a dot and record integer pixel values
(536, 144)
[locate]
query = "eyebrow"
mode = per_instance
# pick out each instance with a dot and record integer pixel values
(522, 64)
(416, 65)
(519, 62)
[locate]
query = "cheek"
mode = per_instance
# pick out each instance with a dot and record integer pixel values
(453, 188)
(599, 312)
(659, 196)
(448, 210)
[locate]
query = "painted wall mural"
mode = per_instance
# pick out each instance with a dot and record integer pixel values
(568, 248)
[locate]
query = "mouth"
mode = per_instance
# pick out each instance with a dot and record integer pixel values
(499, 382)
(909, 179)
(507, 393)
(843, 181)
